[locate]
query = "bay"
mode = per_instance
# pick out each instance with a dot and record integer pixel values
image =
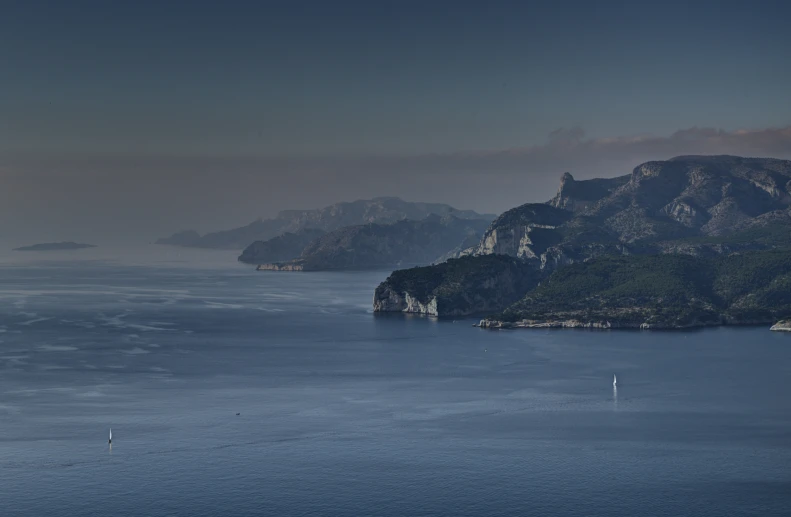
(346, 412)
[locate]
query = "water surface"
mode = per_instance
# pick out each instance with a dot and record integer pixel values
(342, 412)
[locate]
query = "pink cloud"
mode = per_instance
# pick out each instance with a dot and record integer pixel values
(569, 150)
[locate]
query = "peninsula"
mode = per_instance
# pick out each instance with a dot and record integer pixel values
(380, 210)
(376, 245)
(691, 241)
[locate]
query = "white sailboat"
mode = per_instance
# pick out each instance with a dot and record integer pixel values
(110, 441)
(614, 380)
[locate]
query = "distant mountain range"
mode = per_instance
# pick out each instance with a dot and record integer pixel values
(381, 210)
(55, 246)
(370, 246)
(704, 207)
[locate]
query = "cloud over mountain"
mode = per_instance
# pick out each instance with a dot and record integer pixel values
(568, 149)
(151, 196)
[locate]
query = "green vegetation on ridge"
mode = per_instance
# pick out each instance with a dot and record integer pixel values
(696, 240)
(465, 285)
(664, 290)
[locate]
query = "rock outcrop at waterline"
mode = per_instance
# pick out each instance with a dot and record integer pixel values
(782, 326)
(458, 287)
(280, 267)
(569, 324)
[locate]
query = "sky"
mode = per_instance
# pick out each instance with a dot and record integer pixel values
(137, 119)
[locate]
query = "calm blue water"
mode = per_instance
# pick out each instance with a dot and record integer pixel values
(347, 413)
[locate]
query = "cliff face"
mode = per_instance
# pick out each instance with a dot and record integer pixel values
(524, 232)
(782, 326)
(557, 232)
(708, 195)
(383, 210)
(707, 208)
(576, 196)
(458, 287)
(388, 300)
(374, 245)
(660, 207)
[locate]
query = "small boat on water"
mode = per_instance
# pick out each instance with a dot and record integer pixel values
(110, 441)
(614, 380)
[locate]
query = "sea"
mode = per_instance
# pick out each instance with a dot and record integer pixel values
(232, 392)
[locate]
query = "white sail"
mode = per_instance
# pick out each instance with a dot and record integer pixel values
(614, 380)
(111, 434)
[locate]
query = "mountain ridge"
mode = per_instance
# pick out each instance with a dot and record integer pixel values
(659, 203)
(699, 206)
(377, 245)
(328, 218)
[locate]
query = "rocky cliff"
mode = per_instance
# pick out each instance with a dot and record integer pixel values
(468, 285)
(661, 207)
(576, 196)
(703, 207)
(383, 210)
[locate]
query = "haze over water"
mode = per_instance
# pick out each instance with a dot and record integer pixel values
(343, 412)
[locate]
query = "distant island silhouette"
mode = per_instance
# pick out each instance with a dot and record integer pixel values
(54, 246)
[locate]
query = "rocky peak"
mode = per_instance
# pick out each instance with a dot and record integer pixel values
(563, 199)
(576, 196)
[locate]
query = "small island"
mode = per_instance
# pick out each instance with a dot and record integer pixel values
(55, 246)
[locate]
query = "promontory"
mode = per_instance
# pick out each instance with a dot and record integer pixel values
(691, 241)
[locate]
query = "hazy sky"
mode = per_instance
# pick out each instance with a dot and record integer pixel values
(142, 118)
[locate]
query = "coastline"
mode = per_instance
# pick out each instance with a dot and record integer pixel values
(618, 325)
(279, 267)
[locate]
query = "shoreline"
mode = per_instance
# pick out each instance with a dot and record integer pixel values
(774, 325)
